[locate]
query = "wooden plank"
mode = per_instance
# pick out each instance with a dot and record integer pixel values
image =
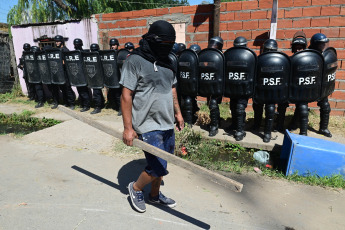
(212, 176)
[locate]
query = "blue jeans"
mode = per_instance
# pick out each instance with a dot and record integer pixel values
(164, 140)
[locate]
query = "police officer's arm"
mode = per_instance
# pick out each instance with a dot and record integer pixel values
(126, 106)
(177, 110)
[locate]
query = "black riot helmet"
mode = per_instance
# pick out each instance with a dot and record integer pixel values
(196, 48)
(216, 42)
(318, 42)
(114, 42)
(35, 48)
(240, 42)
(129, 45)
(58, 38)
(78, 43)
(182, 47)
(26, 47)
(141, 42)
(299, 42)
(175, 48)
(94, 47)
(270, 45)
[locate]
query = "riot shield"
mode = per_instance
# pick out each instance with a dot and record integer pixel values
(173, 60)
(31, 67)
(306, 76)
(43, 67)
(121, 57)
(240, 70)
(56, 66)
(272, 78)
(211, 72)
(110, 68)
(330, 67)
(74, 68)
(188, 73)
(93, 70)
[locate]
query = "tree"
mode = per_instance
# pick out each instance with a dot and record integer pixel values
(33, 11)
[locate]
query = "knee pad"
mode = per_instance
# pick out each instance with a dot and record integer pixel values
(240, 109)
(303, 110)
(324, 106)
(188, 103)
(270, 110)
(213, 104)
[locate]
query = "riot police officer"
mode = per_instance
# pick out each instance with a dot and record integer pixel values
(83, 91)
(319, 42)
(214, 101)
(30, 87)
(129, 46)
(195, 47)
(114, 44)
(238, 105)
(269, 45)
(97, 93)
(40, 97)
(114, 94)
(299, 43)
(67, 92)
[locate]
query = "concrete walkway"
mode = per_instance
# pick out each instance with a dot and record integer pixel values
(72, 176)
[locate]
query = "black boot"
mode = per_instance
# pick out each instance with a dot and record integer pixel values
(303, 119)
(215, 115)
(39, 104)
(269, 112)
(84, 109)
(96, 110)
(281, 117)
(240, 121)
(325, 110)
(293, 125)
(187, 111)
(324, 120)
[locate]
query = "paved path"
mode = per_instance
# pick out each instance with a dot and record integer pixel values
(72, 176)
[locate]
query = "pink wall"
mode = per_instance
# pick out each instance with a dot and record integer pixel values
(86, 29)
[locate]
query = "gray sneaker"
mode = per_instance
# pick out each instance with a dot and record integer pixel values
(137, 198)
(163, 200)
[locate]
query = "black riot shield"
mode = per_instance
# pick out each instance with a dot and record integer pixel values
(306, 76)
(43, 67)
(330, 67)
(272, 78)
(93, 70)
(31, 67)
(188, 73)
(74, 68)
(122, 54)
(173, 60)
(110, 68)
(211, 72)
(56, 67)
(240, 69)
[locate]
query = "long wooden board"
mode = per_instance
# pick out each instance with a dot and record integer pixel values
(212, 176)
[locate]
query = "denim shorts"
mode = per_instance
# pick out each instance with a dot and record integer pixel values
(164, 140)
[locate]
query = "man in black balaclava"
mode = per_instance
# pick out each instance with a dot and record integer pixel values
(150, 108)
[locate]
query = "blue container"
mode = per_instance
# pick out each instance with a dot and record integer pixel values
(311, 156)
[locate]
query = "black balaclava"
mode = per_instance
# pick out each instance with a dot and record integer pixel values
(158, 43)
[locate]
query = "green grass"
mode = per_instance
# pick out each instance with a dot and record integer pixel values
(22, 124)
(228, 157)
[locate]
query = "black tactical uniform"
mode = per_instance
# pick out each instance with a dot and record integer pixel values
(238, 105)
(214, 101)
(68, 94)
(299, 43)
(29, 86)
(318, 42)
(83, 91)
(114, 94)
(40, 97)
(269, 45)
(97, 96)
